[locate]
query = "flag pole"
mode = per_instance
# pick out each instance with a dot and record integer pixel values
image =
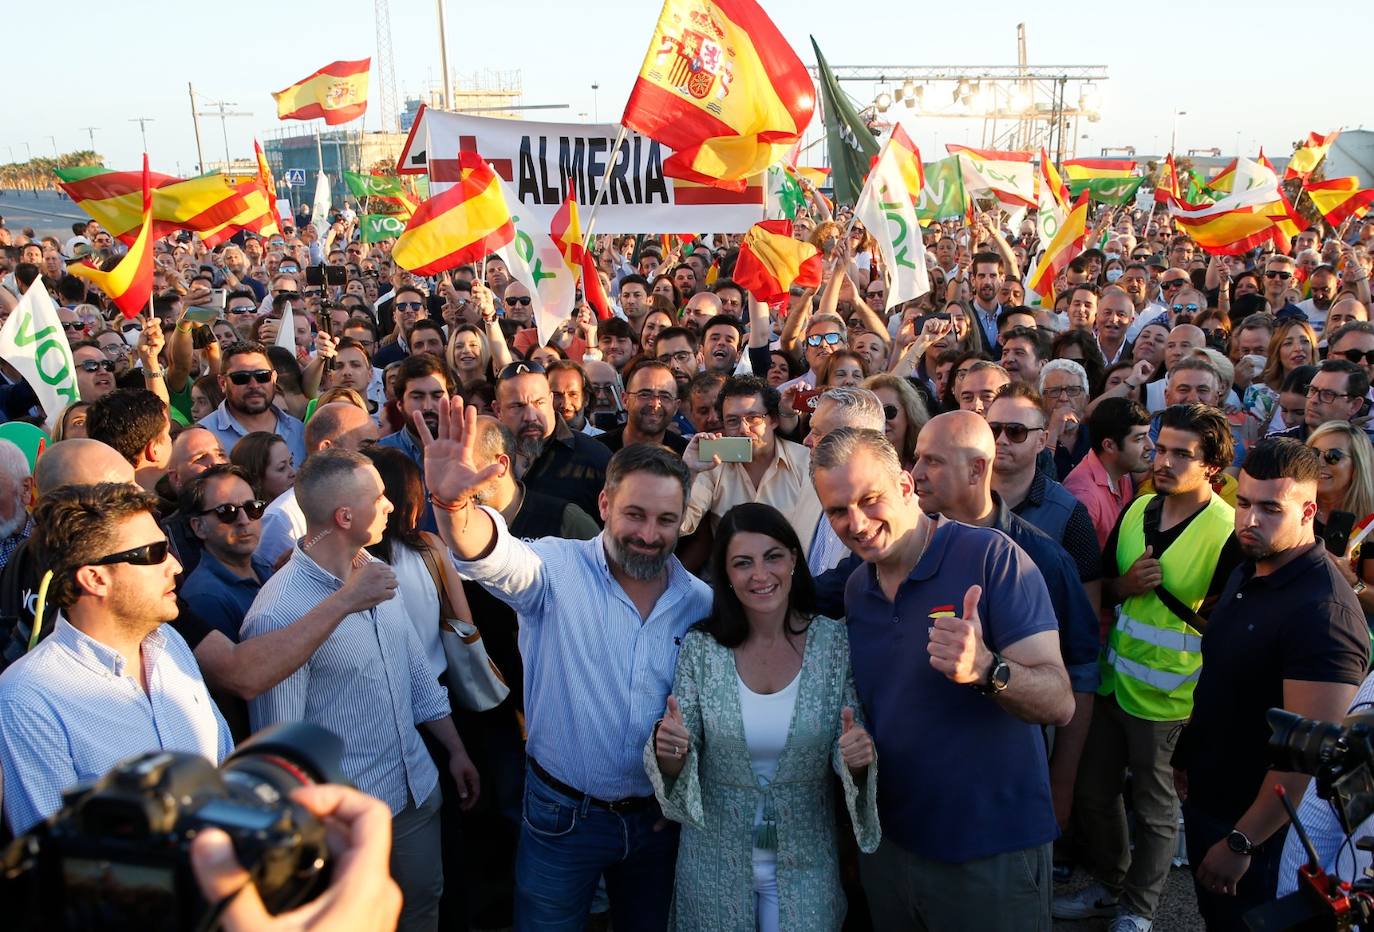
(605, 179)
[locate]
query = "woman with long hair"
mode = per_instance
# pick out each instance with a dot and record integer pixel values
(763, 710)
(206, 396)
(1293, 344)
(266, 460)
(842, 368)
(1346, 483)
(468, 355)
(904, 413)
(655, 322)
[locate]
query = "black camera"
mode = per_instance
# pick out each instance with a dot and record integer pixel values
(117, 855)
(1340, 758)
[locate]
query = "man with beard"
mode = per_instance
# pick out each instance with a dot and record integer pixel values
(651, 402)
(249, 385)
(599, 665)
(1324, 285)
(987, 279)
(572, 393)
(113, 679)
(1168, 555)
(16, 491)
(421, 383)
(634, 301)
(1288, 633)
(553, 458)
(226, 517)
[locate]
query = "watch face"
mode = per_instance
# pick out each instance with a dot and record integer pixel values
(1238, 843)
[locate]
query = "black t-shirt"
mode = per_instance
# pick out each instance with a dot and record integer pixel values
(1301, 622)
(1229, 558)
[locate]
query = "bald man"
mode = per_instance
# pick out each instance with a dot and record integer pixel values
(953, 477)
(194, 451)
(1181, 342)
(80, 461)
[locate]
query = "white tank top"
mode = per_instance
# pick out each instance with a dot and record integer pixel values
(767, 719)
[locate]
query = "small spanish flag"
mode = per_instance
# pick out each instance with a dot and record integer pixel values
(130, 283)
(1084, 169)
(269, 186)
(1339, 198)
(1062, 250)
(461, 226)
(565, 229)
(1309, 155)
(337, 93)
(1168, 188)
(722, 88)
(770, 261)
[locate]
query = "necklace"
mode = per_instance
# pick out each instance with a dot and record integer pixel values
(316, 539)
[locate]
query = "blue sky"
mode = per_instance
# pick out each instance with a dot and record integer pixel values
(1247, 68)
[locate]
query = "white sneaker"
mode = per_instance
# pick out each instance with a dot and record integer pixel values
(1090, 902)
(1129, 922)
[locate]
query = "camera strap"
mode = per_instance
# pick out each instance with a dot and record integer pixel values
(1152, 540)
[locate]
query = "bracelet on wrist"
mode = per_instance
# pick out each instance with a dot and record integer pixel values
(152, 373)
(442, 505)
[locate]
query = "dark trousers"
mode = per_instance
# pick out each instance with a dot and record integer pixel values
(566, 845)
(1223, 913)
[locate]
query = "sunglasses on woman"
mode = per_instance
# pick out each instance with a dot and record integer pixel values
(1333, 456)
(229, 512)
(890, 412)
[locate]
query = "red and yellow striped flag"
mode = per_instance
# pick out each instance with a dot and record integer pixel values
(1168, 188)
(461, 226)
(115, 200)
(771, 261)
(908, 160)
(1062, 250)
(723, 89)
(565, 229)
(1053, 181)
(268, 185)
(337, 93)
(130, 283)
(257, 215)
(1309, 155)
(1085, 169)
(1340, 198)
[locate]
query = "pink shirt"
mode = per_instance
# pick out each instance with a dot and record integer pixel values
(1089, 483)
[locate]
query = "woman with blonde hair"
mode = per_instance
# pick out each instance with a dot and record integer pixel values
(468, 355)
(904, 413)
(1346, 483)
(1293, 344)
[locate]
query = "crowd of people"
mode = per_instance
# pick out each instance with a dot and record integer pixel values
(625, 624)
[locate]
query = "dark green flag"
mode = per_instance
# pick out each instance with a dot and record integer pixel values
(851, 143)
(1114, 191)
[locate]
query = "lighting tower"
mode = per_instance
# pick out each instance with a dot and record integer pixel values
(386, 68)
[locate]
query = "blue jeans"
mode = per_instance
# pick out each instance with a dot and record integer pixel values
(567, 845)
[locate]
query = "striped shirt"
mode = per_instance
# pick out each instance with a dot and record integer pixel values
(369, 683)
(597, 676)
(70, 710)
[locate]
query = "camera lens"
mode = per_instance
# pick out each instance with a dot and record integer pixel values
(280, 759)
(1302, 745)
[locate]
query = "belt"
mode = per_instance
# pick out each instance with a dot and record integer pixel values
(628, 804)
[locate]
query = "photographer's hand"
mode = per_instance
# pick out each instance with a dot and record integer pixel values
(361, 897)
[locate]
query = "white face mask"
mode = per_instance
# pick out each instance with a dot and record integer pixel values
(1114, 274)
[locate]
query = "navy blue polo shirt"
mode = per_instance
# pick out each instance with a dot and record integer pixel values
(219, 597)
(967, 779)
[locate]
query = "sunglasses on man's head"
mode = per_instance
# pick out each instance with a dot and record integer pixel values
(228, 513)
(261, 376)
(153, 554)
(520, 368)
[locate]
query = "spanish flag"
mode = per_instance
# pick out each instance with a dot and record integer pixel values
(1168, 187)
(258, 215)
(115, 200)
(337, 93)
(1340, 198)
(770, 261)
(1309, 155)
(1237, 223)
(907, 158)
(461, 226)
(565, 229)
(130, 283)
(1225, 180)
(721, 87)
(1062, 250)
(1085, 169)
(269, 186)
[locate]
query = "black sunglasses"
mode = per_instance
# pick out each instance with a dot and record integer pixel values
(1016, 433)
(153, 554)
(73, 326)
(285, 291)
(890, 412)
(1173, 283)
(95, 365)
(520, 368)
(229, 512)
(261, 376)
(1333, 456)
(409, 305)
(1356, 356)
(1274, 273)
(522, 300)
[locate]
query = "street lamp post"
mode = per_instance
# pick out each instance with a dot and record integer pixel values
(1173, 139)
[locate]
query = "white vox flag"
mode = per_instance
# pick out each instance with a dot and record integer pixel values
(34, 342)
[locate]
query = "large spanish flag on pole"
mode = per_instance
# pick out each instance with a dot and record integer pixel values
(337, 93)
(723, 89)
(1236, 223)
(130, 283)
(115, 200)
(461, 226)
(771, 261)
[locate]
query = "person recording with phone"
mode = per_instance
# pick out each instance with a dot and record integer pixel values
(775, 471)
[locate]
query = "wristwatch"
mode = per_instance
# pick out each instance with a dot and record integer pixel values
(1238, 843)
(999, 676)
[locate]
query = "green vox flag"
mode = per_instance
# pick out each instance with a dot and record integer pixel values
(1115, 192)
(377, 227)
(943, 196)
(360, 185)
(849, 140)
